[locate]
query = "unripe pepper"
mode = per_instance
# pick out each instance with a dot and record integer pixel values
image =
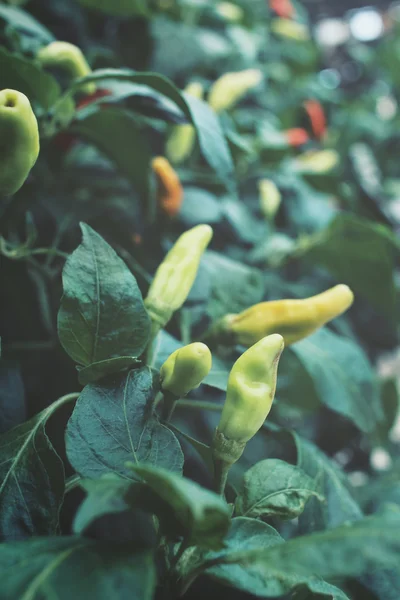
(288, 29)
(185, 369)
(169, 188)
(249, 397)
(270, 198)
(176, 274)
(19, 140)
(68, 57)
(293, 319)
(230, 12)
(317, 161)
(182, 138)
(231, 87)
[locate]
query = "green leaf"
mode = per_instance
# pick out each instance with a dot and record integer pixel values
(32, 480)
(113, 423)
(23, 22)
(348, 550)
(65, 567)
(353, 393)
(340, 506)
(255, 536)
(102, 315)
(362, 255)
(103, 368)
(202, 517)
(116, 133)
(210, 135)
(110, 494)
(275, 488)
(27, 77)
(119, 8)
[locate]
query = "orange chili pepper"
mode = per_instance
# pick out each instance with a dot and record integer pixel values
(296, 136)
(282, 8)
(169, 188)
(317, 117)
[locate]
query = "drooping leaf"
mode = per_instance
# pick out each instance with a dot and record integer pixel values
(65, 567)
(26, 76)
(23, 22)
(250, 535)
(102, 315)
(116, 133)
(325, 358)
(200, 516)
(112, 423)
(31, 480)
(349, 550)
(275, 488)
(117, 510)
(210, 135)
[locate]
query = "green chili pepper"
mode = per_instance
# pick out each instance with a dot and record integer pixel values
(19, 140)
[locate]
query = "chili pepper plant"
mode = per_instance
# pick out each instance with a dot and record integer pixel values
(198, 305)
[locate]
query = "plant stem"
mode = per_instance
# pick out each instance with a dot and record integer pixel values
(149, 352)
(72, 482)
(221, 470)
(169, 404)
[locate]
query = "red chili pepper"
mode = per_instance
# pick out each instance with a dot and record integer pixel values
(297, 136)
(317, 117)
(169, 188)
(283, 8)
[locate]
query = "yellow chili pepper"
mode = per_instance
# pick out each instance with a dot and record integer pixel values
(287, 28)
(231, 87)
(230, 12)
(182, 138)
(169, 188)
(270, 198)
(176, 274)
(19, 140)
(293, 319)
(68, 57)
(185, 369)
(249, 397)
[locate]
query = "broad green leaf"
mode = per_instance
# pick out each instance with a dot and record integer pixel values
(27, 77)
(102, 315)
(353, 393)
(210, 135)
(119, 8)
(112, 423)
(275, 488)
(250, 535)
(362, 255)
(74, 567)
(339, 506)
(116, 133)
(349, 550)
(23, 22)
(31, 480)
(201, 517)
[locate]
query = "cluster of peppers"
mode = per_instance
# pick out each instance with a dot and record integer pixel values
(264, 328)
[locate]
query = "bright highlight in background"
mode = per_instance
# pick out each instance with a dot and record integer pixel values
(366, 25)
